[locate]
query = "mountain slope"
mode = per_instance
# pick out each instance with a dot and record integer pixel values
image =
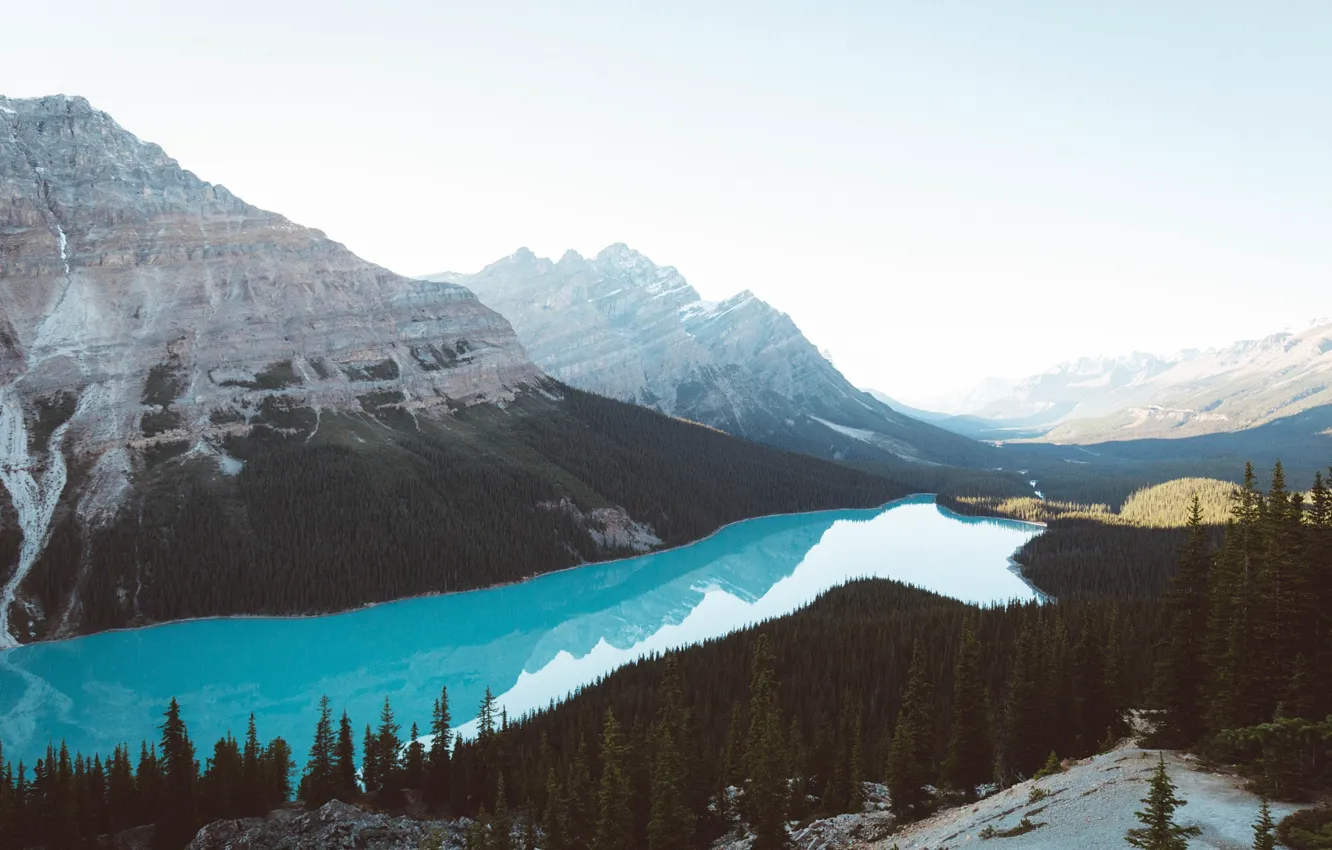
(621, 326)
(1244, 386)
(208, 409)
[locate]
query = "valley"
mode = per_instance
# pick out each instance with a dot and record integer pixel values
(685, 584)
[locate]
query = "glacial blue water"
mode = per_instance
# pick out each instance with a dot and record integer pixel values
(530, 642)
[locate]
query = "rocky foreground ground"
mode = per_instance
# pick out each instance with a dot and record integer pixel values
(1089, 806)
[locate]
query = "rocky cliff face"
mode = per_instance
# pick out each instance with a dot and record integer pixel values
(619, 325)
(144, 310)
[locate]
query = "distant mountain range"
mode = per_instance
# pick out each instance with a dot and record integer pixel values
(619, 325)
(1244, 386)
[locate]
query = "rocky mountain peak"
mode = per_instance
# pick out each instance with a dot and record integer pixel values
(144, 310)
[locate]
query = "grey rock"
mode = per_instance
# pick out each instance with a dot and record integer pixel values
(142, 306)
(335, 826)
(619, 325)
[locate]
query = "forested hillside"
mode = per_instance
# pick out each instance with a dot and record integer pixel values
(873, 681)
(332, 511)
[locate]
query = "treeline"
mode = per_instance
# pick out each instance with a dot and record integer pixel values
(653, 748)
(338, 511)
(878, 681)
(68, 803)
(1244, 670)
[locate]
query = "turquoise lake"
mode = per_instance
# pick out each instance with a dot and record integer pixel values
(530, 642)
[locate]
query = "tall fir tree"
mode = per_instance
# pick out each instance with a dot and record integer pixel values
(1180, 678)
(670, 820)
(970, 759)
(910, 764)
(178, 802)
(319, 785)
(441, 732)
(1264, 830)
(344, 761)
(388, 755)
(615, 820)
(1159, 830)
(766, 792)
(1023, 748)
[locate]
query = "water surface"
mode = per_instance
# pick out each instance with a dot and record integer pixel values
(530, 642)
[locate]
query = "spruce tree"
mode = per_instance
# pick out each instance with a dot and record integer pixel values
(278, 765)
(370, 769)
(555, 817)
(1159, 830)
(1177, 698)
(178, 803)
(615, 821)
(1023, 748)
(766, 793)
(910, 756)
(1096, 719)
(414, 763)
(970, 760)
(437, 779)
(319, 785)
(344, 761)
(855, 778)
(252, 776)
(670, 820)
(1264, 830)
(388, 756)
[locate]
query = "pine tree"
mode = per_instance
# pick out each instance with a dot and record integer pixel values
(555, 817)
(437, 779)
(670, 820)
(344, 761)
(910, 756)
(388, 756)
(1180, 675)
(413, 767)
(1095, 715)
(1159, 830)
(370, 767)
(970, 760)
(1023, 747)
(582, 797)
(501, 824)
(178, 807)
(319, 785)
(733, 760)
(252, 781)
(855, 778)
(615, 822)
(278, 766)
(1264, 830)
(766, 793)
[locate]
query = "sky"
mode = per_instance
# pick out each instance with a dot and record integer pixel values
(935, 192)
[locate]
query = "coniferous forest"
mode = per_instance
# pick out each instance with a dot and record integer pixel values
(874, 681)
(331, 513)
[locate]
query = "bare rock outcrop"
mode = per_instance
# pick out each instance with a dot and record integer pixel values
(335, 826)
(142, 307)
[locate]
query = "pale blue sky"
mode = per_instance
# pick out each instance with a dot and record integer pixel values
(936, 191)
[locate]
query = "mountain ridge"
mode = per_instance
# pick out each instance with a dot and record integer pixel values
(622, 326)
(207, 409)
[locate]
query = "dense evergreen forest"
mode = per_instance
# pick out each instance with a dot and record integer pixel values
(783, 721)
(337, 511)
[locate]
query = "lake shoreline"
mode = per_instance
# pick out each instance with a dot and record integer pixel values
(536, 576)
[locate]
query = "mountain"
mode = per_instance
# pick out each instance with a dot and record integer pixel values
(1247, 385)
(621, 326)
(208, 409)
